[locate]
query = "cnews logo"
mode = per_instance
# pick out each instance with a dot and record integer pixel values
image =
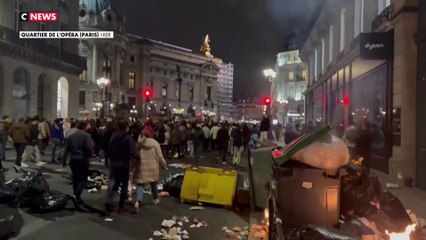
(38, 16)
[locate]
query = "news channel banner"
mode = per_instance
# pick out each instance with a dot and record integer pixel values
(53, 17)
(66, 34)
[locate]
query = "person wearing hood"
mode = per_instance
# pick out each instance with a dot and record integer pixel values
(122, 150)
(20, 135)
(222, 142)
(147, 171)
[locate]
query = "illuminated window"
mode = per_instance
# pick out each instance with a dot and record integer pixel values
(191, 93)
(291, 76)
(342, 29)
(164, 90)
(359, 17)
(330, 44)
(322, 55)
(304, 75)
(132, 80)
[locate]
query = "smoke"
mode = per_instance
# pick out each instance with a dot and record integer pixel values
(286, 12)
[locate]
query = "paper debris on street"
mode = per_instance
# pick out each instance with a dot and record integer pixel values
(196, 208)
(178, 165)
(168, 223)
(109, 219)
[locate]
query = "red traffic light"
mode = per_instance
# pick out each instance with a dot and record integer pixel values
(267, 100)
(148, 92)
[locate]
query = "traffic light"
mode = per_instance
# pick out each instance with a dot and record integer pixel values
(267, 101)
(147, 94)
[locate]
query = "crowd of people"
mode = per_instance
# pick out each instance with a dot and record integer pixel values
(135, 151)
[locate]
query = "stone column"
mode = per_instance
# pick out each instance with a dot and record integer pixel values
(420, 90)
(94, 63)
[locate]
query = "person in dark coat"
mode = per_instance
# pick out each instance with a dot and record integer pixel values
(80, 148)
(57, 136)
(106, 139)
(237, 137)
(265, 124)
(364, 144)
(96, 137)
(197, 136)
(290, 135)
(246, 135)
(222, 142)
(122, 151)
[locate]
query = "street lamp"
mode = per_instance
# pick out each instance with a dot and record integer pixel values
(133, 112)
(102, 83)
(270, 74)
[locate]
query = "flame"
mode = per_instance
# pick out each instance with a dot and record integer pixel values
(402, 236)
(266, 216)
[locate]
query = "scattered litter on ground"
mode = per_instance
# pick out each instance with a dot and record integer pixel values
(93, 190)
(108, 219)
(236, 233)
(173, 229)
(178, 165)
(196, 208)
(160, 187)
(164, 194)
(104, 187)
(168, 223)
(392, 185)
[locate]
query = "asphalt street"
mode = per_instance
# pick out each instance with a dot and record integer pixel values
(72, 224)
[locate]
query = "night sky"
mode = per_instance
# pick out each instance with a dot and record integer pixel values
(248, 33)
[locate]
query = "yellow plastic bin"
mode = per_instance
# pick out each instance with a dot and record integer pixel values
(209, 185)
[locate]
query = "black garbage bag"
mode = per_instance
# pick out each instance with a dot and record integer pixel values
(7, 228)
(393, 208)
(27, 188)
(50, 201)
(93, 173)
(320, 233)
(173, 185)
(7, 195)
(310, 232)
(93, 184)
(359, 191)
(355, 227)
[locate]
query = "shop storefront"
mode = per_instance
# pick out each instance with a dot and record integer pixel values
(354, 92)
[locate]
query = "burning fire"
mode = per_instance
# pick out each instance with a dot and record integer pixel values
(266, 216)
(402, 236)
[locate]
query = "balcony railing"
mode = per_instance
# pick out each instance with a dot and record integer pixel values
(12, 37)
(383, 17)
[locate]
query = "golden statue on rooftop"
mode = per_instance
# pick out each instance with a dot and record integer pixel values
(205, 48)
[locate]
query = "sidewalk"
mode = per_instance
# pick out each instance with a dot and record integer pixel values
(411, 197)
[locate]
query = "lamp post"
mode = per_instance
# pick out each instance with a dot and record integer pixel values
(133, 113)
(102, 83)
(269, 74)
(179, 81)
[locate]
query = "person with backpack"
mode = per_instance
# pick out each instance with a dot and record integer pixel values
(32, 151)
(20, 135)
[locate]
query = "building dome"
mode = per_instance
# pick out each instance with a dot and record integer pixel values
(95, 6)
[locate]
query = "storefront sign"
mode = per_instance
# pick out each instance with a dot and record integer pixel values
(376, 45)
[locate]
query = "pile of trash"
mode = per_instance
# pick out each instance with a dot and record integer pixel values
(173, 184)
(173, 229)
(97, 180)
(362, 207)
(236, 233)
(31, 191)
